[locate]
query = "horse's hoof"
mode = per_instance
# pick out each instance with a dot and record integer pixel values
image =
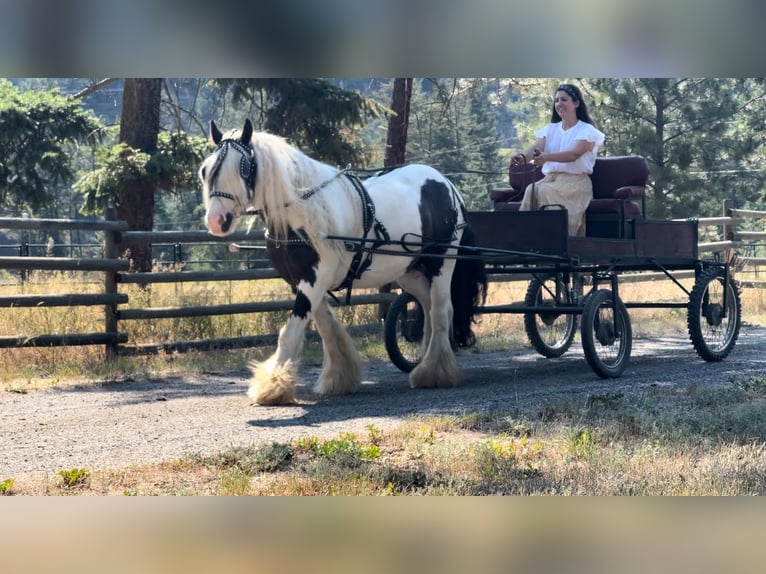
(424, 377)
(273, 396)
(336, 387)
(273, 384)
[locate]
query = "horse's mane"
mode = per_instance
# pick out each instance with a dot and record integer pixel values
(283, 171)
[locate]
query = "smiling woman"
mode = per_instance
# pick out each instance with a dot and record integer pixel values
(566, 149)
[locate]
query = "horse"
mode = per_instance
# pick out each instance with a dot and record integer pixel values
(326, 230)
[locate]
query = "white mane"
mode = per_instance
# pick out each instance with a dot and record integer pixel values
(284, 174)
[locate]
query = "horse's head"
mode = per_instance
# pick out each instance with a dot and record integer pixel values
(228, 179)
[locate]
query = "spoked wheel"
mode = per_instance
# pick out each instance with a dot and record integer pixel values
(550, 332)
(606, 334)
(404, 327)
(714, 323)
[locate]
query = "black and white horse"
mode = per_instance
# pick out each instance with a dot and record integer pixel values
(413, 214)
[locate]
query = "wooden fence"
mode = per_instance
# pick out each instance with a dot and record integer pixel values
(115, 273)
(734, 240)
(110, 265)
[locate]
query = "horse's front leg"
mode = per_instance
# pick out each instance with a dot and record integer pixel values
(341, 366)
(274, 380)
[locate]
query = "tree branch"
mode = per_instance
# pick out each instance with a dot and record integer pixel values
(85, 92)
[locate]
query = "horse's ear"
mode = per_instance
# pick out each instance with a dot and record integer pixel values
(215, 134)
(247, 132)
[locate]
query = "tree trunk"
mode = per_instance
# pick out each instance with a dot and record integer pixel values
(139, 127)
(396, 143)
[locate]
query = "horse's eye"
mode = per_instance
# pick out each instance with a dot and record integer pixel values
(203, 172)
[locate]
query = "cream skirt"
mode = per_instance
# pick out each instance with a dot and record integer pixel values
(572, 191)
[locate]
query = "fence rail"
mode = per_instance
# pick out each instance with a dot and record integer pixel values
(115, 273)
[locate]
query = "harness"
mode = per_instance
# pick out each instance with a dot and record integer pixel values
(363, 256)
(248, 170)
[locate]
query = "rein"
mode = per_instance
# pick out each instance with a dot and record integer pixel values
(530, 167)
(308, 192)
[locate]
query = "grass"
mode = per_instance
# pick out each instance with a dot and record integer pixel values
(6, 487)
(22, 370)
(683, 441)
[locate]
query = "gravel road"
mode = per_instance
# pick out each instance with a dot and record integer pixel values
(113, 425)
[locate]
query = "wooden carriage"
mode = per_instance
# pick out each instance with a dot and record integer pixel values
(578, 277)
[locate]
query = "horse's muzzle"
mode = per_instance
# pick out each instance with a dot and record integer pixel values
(221, 224)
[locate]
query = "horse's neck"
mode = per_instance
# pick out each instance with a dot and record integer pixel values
(294, 210)
(313, 173)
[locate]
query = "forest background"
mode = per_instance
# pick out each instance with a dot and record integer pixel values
(73, 146)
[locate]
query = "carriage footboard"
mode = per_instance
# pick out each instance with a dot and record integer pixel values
(541, 232)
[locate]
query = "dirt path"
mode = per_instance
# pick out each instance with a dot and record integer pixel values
(119, 424)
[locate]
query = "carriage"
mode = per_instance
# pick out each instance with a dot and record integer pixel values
(620, 239)
(327, 230)
(578, 278)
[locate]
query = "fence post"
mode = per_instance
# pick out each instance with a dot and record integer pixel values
(111, 241)
(728, 229)
(24, 249)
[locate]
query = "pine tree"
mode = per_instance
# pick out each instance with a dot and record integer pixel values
(36, 130)
(700, 136)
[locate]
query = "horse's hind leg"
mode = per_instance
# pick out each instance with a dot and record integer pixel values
(342, 366)
(439, 367)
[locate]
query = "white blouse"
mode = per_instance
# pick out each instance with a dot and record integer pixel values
(558, 139)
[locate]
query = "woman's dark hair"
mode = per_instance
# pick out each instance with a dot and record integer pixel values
(574, 93)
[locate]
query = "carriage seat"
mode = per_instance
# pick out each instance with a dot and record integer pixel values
(619, 185)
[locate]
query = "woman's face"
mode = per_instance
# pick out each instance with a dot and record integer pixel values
(564, 104)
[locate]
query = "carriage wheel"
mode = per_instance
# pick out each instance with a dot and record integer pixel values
(713, 327)
(606, 334)
(404, 326)
(551, 333)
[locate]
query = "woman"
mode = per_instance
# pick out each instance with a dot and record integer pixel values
(567, 149)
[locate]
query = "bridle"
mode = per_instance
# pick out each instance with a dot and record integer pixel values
(248, 169)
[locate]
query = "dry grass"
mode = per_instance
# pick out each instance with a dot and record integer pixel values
(692, 441)
(22, 370)
(25, 369)
(507, 331)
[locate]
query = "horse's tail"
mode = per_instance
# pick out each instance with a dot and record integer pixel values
(468, 290)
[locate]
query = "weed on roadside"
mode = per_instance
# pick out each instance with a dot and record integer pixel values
(75, 478)
(251, 460)
(6, 487)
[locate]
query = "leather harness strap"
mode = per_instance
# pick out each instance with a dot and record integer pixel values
(363, 256)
